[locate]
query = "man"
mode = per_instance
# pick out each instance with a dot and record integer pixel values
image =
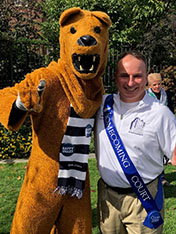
(157, 91)
(132, 161)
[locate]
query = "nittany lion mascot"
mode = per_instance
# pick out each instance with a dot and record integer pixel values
(61, 100)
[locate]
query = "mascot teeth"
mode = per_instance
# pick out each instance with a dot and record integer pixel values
(85, 63)
(91, 69)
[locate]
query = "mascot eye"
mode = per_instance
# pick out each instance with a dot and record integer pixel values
(97, 29)
(72, 30)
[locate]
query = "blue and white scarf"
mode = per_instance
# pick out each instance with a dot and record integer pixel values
(74, 153)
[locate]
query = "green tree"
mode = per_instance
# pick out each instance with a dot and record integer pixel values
(131, 19)
(159, 41)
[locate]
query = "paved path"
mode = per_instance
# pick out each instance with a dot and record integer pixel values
(21, 160)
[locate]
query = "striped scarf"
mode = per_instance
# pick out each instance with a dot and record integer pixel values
(74, 155)
(85, 97)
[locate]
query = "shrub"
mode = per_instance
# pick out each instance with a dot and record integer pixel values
(15, 144)
(169, 81)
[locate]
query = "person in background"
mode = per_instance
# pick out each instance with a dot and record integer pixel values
(157, 91)
(131, 140)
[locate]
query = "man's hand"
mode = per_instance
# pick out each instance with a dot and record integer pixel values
(173, 160)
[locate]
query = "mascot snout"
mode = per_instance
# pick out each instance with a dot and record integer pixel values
(87, 41)
(86, 63)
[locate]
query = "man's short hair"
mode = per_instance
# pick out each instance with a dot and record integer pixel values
(134, 53)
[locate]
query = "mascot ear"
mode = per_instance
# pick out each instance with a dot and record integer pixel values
(67, 13)
(103, 17)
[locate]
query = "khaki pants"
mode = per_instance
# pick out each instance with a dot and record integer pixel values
(123, 214)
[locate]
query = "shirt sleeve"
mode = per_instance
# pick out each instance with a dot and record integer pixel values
(167, 133)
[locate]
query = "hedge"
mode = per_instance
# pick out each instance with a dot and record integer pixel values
(15, 144)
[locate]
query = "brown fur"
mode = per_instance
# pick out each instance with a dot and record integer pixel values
(39, 210)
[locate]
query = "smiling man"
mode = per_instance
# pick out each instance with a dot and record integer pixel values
(131, 78)
(133, 132)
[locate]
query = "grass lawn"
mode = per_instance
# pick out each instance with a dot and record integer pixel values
(12, 177)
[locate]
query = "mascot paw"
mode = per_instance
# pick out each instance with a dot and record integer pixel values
(30, 98)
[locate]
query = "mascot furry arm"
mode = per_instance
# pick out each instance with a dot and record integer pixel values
(61, 101)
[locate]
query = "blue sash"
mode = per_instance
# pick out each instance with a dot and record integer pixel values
(152, 207)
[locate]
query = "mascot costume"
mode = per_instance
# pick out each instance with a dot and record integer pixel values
(61, 100)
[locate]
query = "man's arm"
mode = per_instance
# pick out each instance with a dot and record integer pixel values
(173, 160)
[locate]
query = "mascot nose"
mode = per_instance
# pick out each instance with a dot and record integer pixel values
(86, 41)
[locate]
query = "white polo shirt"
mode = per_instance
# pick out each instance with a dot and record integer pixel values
(148, 131)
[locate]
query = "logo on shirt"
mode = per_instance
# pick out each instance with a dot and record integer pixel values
(88, 130)
(67, 149)
(137, 126)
